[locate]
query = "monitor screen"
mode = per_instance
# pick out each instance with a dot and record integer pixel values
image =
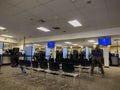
(104, 41)
(51, 44)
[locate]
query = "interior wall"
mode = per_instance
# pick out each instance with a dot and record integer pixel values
(87, 34)
(9, 40)
(113, 49)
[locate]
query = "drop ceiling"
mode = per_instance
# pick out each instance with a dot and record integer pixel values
(21, 17)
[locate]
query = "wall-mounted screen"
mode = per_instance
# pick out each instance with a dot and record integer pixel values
(104, 41)
(51, 44)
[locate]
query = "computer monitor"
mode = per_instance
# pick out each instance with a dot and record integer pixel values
(104, 41)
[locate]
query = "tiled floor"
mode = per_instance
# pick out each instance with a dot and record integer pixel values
(12, 79)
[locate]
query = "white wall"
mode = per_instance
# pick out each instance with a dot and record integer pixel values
(10, 40)
(87, 34)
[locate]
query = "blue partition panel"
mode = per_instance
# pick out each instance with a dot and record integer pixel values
(47, 53)
(1, 49)
(65, 52)
(87, 53)
(29, 52)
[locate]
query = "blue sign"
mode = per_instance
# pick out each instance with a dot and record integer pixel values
(51, 44)
(104, 41)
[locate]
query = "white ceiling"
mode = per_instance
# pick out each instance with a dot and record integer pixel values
(21, 17)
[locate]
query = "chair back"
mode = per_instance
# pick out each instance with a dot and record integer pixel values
(44, 65)
(54, 66)
(35, 64)
(68, 67)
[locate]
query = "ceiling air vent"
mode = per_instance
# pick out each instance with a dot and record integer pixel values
(89, 2)
(56, 28)
(42, 20)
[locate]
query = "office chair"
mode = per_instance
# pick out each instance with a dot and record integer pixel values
(68, 67)
(35, 64)
(44, 65)
(54, 66)
(76, 62)
(51, 60)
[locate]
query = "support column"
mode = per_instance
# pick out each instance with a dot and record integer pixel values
(54, 53)
(106, 56)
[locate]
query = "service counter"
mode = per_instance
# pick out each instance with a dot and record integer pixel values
(6, 59)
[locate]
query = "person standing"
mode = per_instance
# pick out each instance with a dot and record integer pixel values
(97, 56)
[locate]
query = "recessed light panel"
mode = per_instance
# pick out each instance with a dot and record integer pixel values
(75, 23)
(75, 44)
(43, 29)
(68, 42)
(4, 35)
(2, 28)
(95, 43)
(91, 41)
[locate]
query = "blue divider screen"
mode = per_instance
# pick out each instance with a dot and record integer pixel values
(29, 52)
(87, 53)
(47, 53)
(65, 53)
(1, 49)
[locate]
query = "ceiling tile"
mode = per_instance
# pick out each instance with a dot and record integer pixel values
(14, 2)
(28, 4)
(60, 6)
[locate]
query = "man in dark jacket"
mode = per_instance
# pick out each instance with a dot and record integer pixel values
(97, 56)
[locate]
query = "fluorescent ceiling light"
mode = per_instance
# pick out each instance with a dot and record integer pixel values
(95, 43)
(75, 23)
(75, 44)
(91, 41)
(68, 43)
(36, 45)
(108, 46)
(43, 29)
(58, 45)
(81, 46)
(2, 28)
(3, 35)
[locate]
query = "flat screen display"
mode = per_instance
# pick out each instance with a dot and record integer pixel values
(104, 41)
(51, 44)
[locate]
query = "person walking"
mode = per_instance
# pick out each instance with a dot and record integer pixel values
(97, 56)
